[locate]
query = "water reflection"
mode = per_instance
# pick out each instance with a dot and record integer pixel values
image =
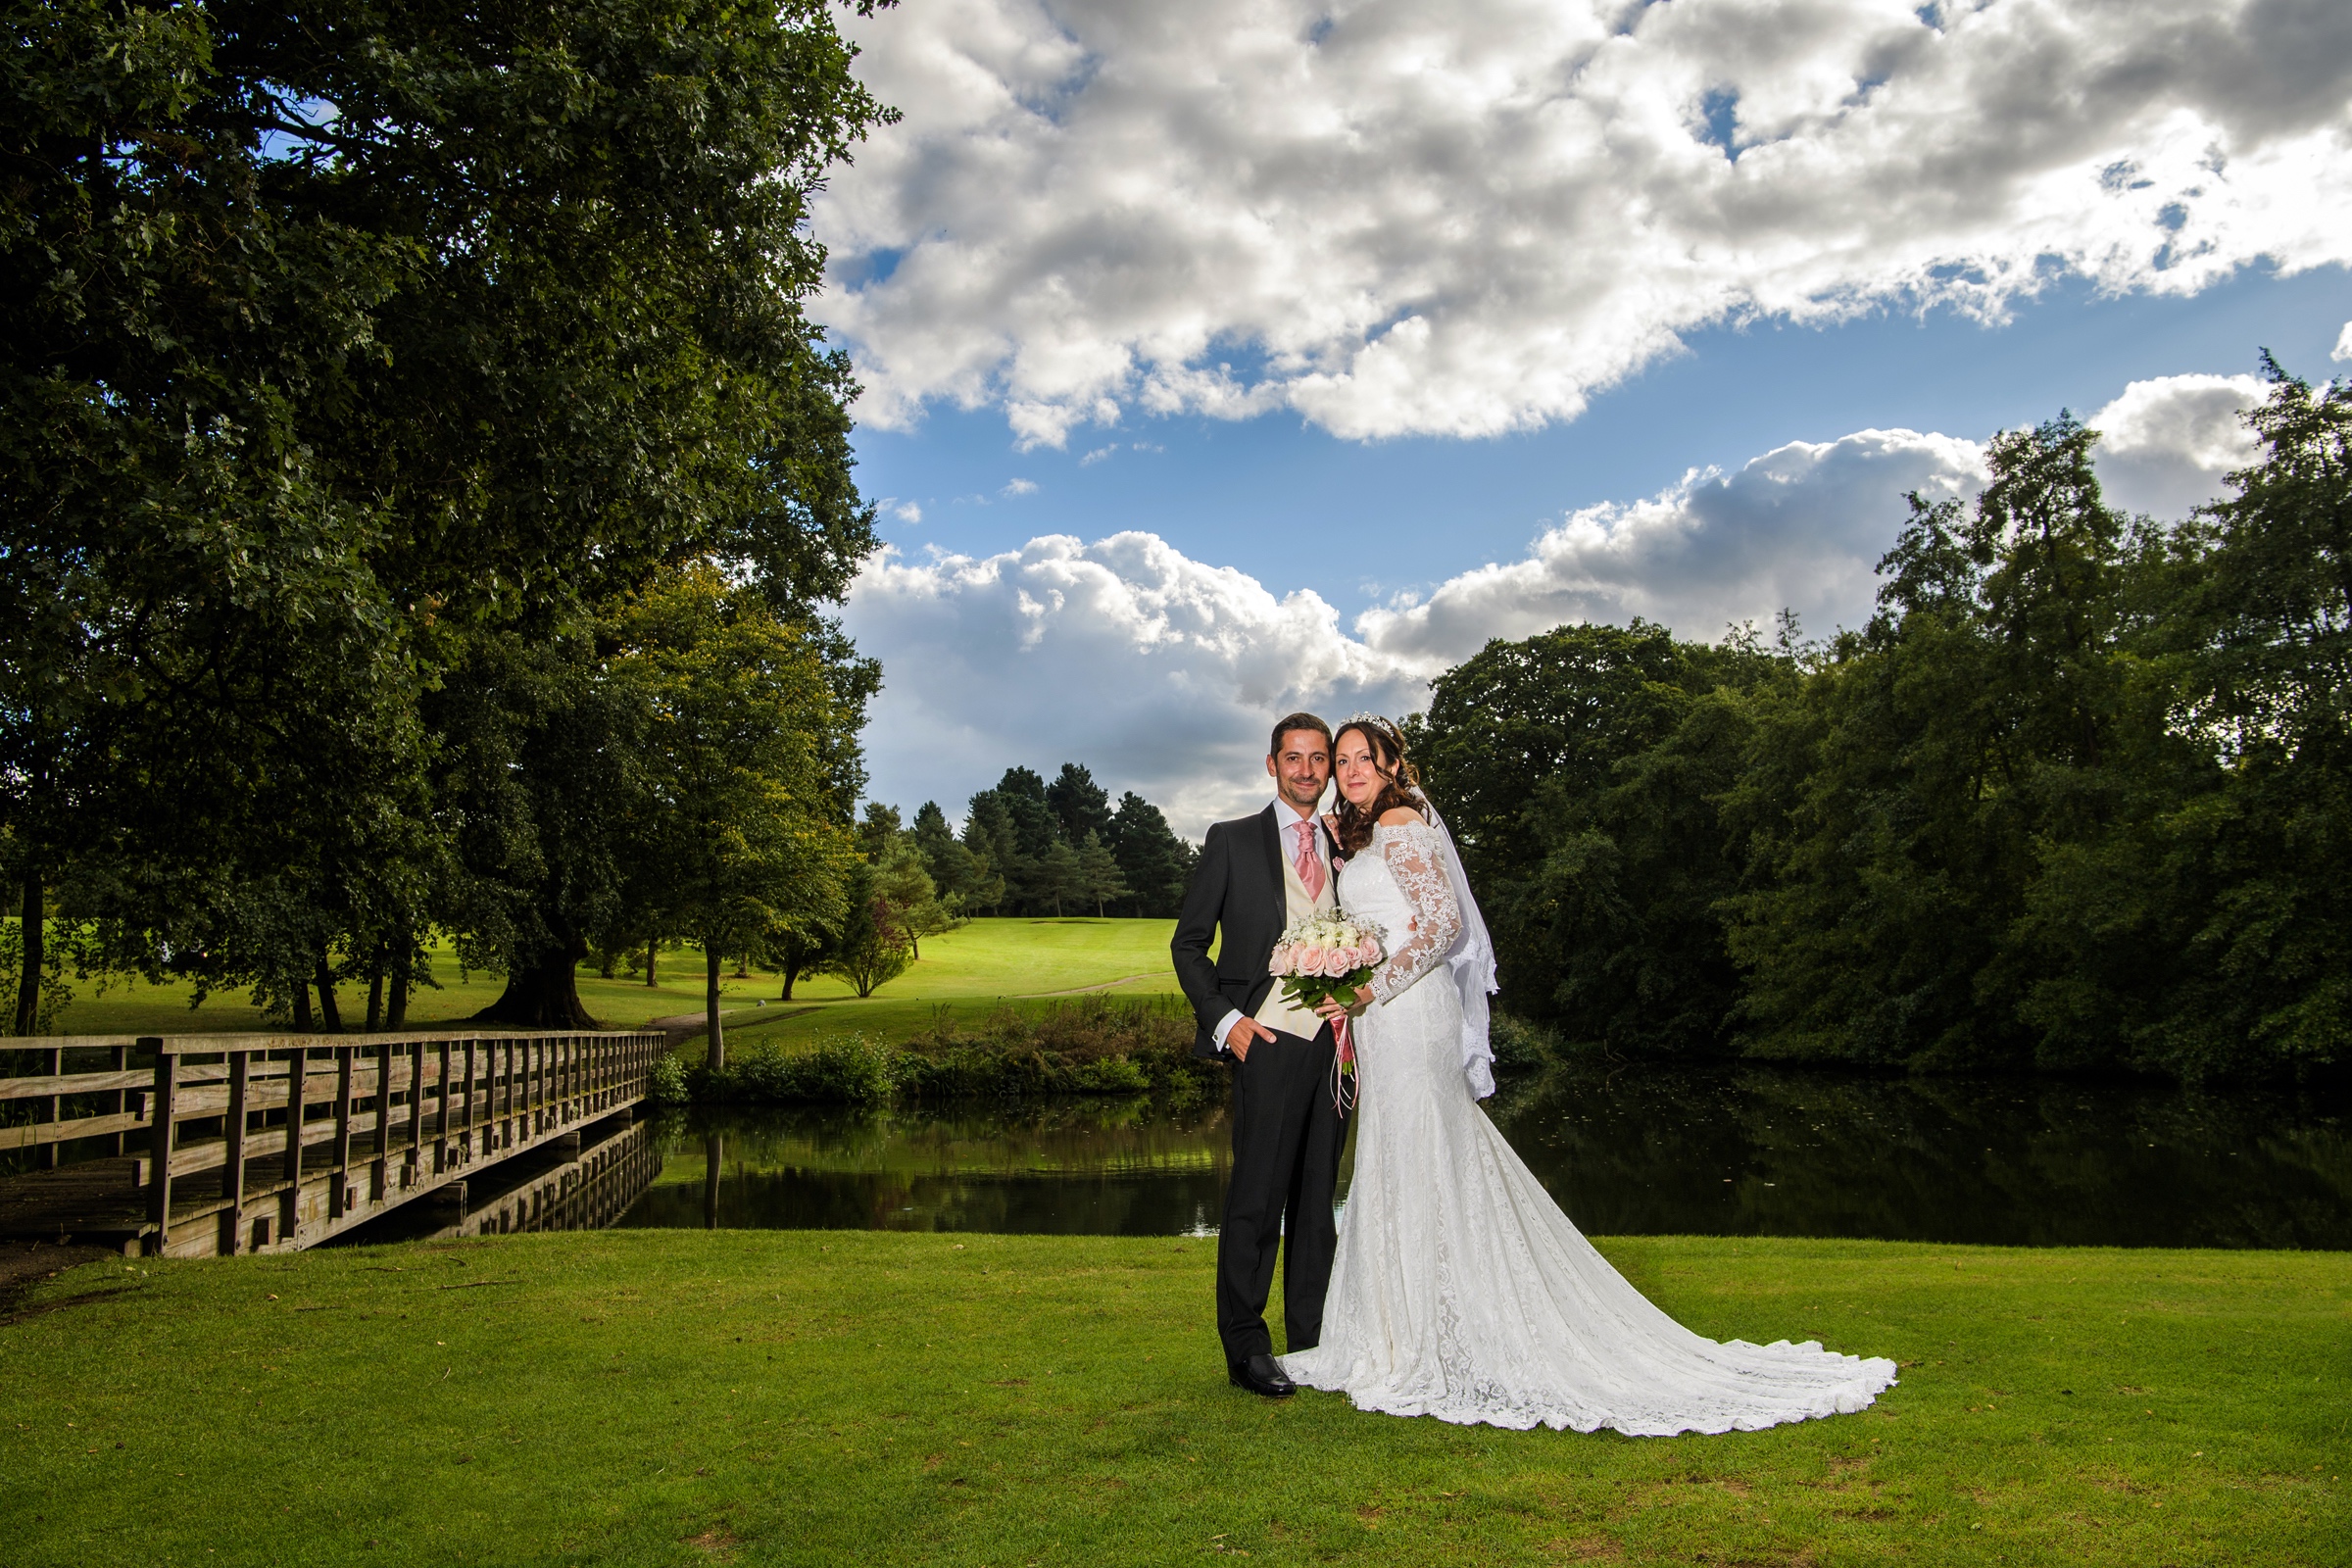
(2016, 1162)
(1066, 1168)
(1647, 1151)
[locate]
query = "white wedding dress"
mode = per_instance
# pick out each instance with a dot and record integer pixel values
(1461, 1290)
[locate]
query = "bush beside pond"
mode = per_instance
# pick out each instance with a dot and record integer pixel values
(1092, 1046)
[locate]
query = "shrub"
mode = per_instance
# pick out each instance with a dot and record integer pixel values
(1520, 1045)
(666, 1085)
(847, 1070)
(1089, 1046)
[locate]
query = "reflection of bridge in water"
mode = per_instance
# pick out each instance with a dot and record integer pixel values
(200, 1146)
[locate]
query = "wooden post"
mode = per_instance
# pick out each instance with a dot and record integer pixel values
(379, 1174)
(159, 1144)
(233, 1135)
(383, 1099)
(470, 1149)
(339, 1185)
(416, 1102)
(298, 1074)
(46, 1155)
(441, 1117)
(115, 1058)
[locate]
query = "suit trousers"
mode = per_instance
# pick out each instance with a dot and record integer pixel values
(1287, 1138)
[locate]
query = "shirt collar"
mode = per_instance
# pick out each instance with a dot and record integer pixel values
(1291, 815)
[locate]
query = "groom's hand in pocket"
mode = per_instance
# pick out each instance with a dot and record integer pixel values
(1246, 1032)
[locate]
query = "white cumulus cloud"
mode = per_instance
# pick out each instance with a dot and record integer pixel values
(1161, 672)
(1798, 528)
(1158, 672)
(2165, 445)
(1467, 218)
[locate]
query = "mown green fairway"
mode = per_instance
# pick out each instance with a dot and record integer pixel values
(973, 967)
(673, 1397)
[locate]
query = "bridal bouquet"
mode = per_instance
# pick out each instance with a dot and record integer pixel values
(1329, 955)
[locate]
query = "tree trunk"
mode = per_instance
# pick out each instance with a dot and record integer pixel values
(743, 966)
(29, 978)
(396, 1017)
(718, 1060)
(791, 973)
(653, 945)
(302, 1008)
(375, 992)
(33, 930)
(543, 993)
(330, 1017)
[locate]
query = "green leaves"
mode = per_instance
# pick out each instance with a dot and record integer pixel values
(2077, 797)
(360, 359)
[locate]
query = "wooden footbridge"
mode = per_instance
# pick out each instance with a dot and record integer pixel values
(202, 1145)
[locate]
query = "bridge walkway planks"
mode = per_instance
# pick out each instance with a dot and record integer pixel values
(378, 1122)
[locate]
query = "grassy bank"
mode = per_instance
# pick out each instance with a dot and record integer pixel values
(1088, 1045)
(666, 1397)
(970, 971)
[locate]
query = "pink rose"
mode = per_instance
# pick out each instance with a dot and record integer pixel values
(1337, 962)
(1279, 963)
(1309, 959)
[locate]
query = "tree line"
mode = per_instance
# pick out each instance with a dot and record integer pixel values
(1027, 848)
(1030, 847)
(2079, 796)
(420, 494)
(1034, 848)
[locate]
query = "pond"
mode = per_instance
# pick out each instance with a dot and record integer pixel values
(1636, 1149)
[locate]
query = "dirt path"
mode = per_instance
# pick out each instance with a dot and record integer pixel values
(1080, 991)
(683, 1024)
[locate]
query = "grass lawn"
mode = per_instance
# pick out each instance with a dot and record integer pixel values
(972, 968)
(677, 1397)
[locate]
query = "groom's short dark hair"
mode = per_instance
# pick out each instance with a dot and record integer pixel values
(1283, 726)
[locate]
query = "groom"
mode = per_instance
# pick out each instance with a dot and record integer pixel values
(1256, 875)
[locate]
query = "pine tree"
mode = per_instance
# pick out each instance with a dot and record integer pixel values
(1080, 805)
(1152, 860)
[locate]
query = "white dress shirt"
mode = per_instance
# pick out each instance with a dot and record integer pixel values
(1287, 818)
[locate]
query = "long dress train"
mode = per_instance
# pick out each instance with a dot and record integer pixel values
(1461, 1289)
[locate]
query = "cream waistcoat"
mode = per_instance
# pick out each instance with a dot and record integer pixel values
(1276, 1012)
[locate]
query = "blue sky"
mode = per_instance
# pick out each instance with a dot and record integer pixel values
(1296, 507)
(1256, 354)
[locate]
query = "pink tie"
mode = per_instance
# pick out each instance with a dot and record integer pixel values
(1309, 862)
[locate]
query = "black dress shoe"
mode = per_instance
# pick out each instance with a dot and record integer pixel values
(1261, 1375)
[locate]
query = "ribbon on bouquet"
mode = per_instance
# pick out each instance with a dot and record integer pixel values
(1342, 1067)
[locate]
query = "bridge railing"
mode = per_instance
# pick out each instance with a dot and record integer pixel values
(244, 1142)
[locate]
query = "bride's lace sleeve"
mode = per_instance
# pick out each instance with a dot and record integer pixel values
(1413, 861)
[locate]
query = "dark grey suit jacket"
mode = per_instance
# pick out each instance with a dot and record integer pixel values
(1238, 885)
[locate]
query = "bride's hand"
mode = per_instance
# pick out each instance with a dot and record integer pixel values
(1333, 1009)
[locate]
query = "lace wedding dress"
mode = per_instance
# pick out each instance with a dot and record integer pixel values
(1461, 1289)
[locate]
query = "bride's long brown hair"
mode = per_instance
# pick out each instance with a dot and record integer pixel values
(1400, 783)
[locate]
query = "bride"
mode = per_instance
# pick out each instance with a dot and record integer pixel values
(1461, 1289)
